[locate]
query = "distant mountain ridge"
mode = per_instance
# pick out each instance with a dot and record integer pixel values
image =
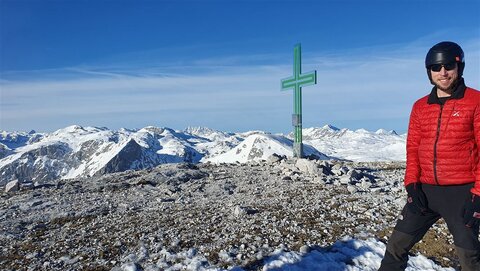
(77, 151)
(358, 145)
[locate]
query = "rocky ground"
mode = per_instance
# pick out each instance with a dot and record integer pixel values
(229, 214)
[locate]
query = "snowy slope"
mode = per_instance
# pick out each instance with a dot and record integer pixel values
(359, 145)
(12, 140)
(211, 142)
(261, 146)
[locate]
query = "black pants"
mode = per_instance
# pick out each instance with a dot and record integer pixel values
(445, 202)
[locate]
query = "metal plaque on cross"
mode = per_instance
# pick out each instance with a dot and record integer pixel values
(296, 82)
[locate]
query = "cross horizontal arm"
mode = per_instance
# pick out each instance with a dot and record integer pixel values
(305, 79)
(288, 83)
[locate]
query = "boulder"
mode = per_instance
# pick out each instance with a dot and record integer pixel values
(275, 158)
(355, 174)
(308, 166)
(12, 186)
(340, 170)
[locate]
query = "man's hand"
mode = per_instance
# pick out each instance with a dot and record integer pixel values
(472, 212)
(416, 201)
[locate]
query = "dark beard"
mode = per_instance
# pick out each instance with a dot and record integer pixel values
(450, 88)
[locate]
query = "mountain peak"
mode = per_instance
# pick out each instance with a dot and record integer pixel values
(72, 128)
(199, 130)
(331, 127)
(77, 129)
(385, 132)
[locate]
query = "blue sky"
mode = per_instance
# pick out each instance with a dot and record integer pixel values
(219, 63)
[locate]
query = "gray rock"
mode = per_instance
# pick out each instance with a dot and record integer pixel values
(240, 211)
(339, 169)
(364, 184)
(352, 189)
(345, 180)
(355, 174)
(12, 186)
(304, 249)
(275, 158)
(131, 267)
(308, 166)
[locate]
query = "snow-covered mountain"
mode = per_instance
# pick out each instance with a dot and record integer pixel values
(10, 141)
(262, 146)
(86, 151)
(77, 151)
(359, 145)
(211, 142)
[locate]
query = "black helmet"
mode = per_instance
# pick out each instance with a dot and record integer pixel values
(446, 52)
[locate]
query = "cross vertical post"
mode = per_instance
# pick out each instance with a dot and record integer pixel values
(296, 82)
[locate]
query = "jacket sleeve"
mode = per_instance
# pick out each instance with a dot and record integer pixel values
(412, 172)
(476, 131)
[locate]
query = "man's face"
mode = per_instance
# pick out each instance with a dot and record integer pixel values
(445, 77)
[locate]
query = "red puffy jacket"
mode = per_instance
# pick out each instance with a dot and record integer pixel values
(443, 139)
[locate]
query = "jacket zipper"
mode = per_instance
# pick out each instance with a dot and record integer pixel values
(439, 122)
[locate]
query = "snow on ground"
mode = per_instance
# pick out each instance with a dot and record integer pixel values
(346, 254)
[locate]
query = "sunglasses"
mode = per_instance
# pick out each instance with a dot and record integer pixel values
(448, 66)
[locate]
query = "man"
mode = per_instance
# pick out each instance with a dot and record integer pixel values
(442, 177)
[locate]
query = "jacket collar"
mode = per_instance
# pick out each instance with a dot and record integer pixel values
(458, 93)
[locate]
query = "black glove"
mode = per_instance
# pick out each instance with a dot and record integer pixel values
(416, 201)
(471, 216)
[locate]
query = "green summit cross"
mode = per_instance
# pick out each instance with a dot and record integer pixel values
(296, 82)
